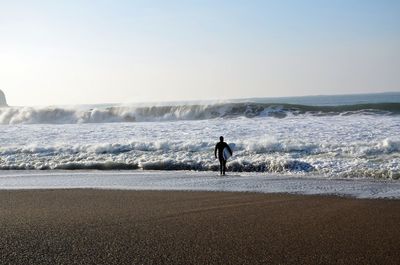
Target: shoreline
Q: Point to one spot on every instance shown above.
(87, 226)
(200, 181)
(327, 195)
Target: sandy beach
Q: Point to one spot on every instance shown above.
(143, 227)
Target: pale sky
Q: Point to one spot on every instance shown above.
(84, 52)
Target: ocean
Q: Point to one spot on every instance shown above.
(347, 136)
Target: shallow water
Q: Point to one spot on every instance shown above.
(198, 181)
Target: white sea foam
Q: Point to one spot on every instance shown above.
(356, 146)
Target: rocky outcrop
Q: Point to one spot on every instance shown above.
(3, 101)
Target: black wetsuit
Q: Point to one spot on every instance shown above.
(222, 162)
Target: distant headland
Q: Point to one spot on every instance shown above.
(3, 101)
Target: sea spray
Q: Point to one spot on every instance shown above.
(69, 115)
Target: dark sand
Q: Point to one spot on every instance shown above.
(132, 227)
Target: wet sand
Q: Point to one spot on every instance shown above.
(149, 227)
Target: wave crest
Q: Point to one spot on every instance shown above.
(57, 115)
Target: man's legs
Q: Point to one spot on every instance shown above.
(224, 162)
(222, 166)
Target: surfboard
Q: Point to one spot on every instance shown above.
(226, 154)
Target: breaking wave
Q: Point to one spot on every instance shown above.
(352, 141)
(58, 115)
(353, 161)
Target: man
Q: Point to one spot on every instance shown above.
(222, 161)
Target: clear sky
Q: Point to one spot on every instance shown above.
(82, 51)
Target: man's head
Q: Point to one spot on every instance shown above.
(221, 138)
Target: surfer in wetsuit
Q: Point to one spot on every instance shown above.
(220, 148)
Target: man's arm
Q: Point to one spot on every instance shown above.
(215, 151)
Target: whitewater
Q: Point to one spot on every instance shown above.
(329, 137)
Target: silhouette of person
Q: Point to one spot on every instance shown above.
(220, 148)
